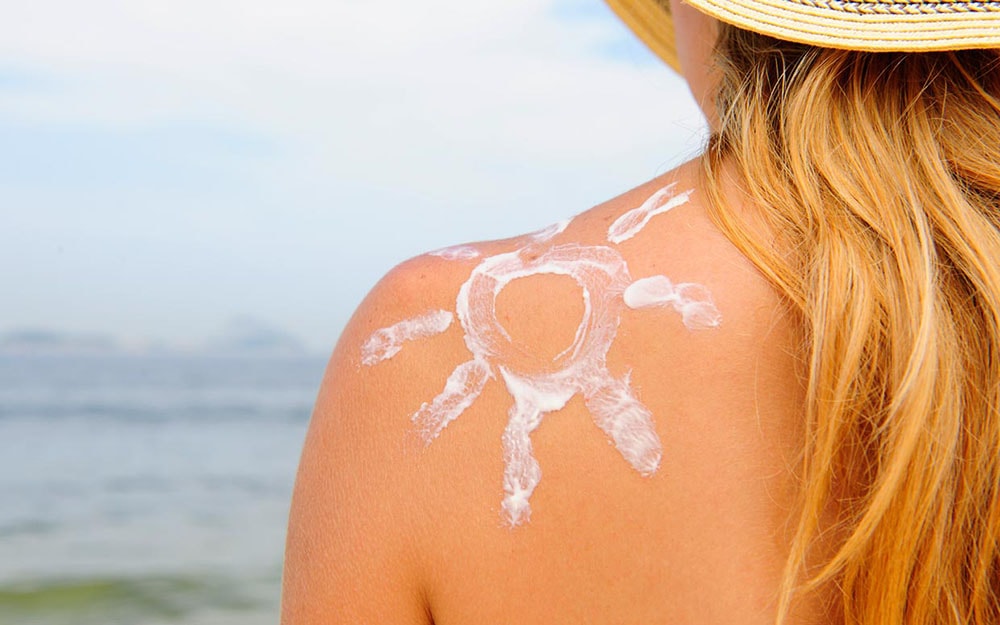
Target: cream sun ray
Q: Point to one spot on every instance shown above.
(550, 232)
(457, 252)
(462, 388)
(386, 342)
(692, 301)
(626, 422)
(630, 223)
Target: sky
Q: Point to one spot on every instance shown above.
(166, 167)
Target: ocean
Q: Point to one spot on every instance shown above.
(147, 490)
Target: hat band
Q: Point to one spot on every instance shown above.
(903, 7)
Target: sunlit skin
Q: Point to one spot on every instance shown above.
(695, 35)
(541, 383)
(386, 529)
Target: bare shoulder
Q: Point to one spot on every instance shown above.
(366, 497)
(590, 423)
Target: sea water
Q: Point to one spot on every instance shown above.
(147, 489)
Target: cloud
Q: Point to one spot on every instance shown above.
(311, 125)
(315, 71)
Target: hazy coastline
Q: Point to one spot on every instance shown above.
(146, 487)
(240, 336)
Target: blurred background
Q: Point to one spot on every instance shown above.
(195, 195)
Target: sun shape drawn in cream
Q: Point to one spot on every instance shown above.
(581, 369)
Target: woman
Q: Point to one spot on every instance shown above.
(792, 345)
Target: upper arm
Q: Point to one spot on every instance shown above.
(356, 523)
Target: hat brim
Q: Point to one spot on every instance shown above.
(871, 25)
(650, 20)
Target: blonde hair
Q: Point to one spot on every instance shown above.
(879, 175)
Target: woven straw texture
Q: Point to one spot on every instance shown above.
(651, 22)
(895, 25)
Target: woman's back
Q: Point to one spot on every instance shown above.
(418, 498)
(818, 442)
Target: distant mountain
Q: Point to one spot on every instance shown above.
(241, 336)
(36, 341)
(245, 335)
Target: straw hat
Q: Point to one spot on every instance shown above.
(876, 25)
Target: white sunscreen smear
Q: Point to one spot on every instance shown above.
(457, 252)
(386, 342)
(692, 301)
(581, 369)
(629, 224)
(464, 385)
(540, 386)
(602, 275)
(550, 232)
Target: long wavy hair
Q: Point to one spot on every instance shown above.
(879, 176)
